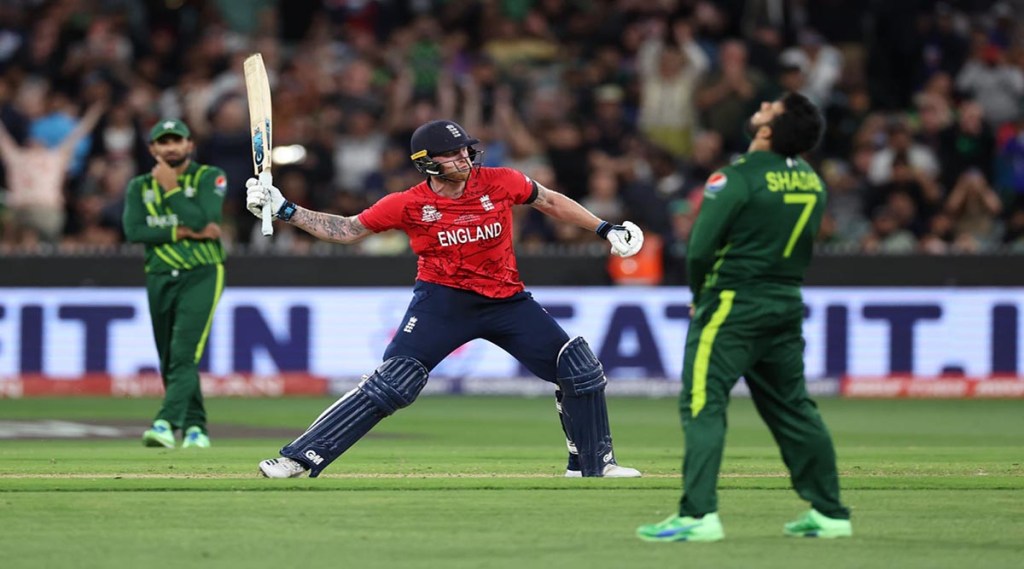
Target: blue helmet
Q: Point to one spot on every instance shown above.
(439, 137)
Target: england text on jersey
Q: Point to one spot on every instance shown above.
(469, 234)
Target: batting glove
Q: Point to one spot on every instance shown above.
(626, 239)
(259, 191)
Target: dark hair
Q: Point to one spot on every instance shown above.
(799, 128)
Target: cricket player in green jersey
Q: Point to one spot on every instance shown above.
(175, 210)
(748, 252)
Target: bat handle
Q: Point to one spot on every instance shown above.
(267, 227)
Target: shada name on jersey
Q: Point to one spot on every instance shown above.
(798, 180)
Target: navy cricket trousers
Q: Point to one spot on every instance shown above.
(440, 319)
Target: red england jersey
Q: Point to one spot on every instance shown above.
(464, 243)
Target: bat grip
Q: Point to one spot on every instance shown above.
(267, 228)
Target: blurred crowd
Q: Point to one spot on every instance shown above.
(625, 105)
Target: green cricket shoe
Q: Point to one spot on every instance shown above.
(683, 528)
(160, 435)
(815, 524)
(195, 438)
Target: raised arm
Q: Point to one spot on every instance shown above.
(324, 226)
(563, 208)
(7, 144)
(84, 127)
(329, 227)
(626, 239)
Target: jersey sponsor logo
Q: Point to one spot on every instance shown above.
(466, 219)
(149, 196)
(162, 220)
(430, 213)
(220, 185)
(190, 192)
(464, 235)
(486, 202)
(715, 183)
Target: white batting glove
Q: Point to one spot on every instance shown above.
(260, 191)
(626, 239)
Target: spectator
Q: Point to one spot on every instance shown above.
(35, 183)
(557, 88)
(901, 141)
(923, 193)
(994, 82)
(887, 236)
(726, 96)
(603, 195)
(974, 207)
(848, 223)
(844, 116)
(821, 64)
(940, 237)
(933, 116)
(669, 72)
(1010, 160)
(968, 144)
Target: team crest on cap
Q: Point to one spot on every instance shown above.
(716, 182)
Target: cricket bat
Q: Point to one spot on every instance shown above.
(257, 88)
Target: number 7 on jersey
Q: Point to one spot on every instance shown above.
(806, 200)
(257, 88)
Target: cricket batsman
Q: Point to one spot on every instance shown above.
(459, 223)
(175, 210)
(748, 253)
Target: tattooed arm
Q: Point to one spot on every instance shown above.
(564, 208)
(329, 227)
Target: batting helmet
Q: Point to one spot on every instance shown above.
(439, 137)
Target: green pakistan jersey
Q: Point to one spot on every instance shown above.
(152, 216)
(756, 225)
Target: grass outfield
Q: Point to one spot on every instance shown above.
(476, 482)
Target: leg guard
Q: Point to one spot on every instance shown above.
(583, 408)
(394, 385)
(574, 455)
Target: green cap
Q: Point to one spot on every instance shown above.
(169, 126)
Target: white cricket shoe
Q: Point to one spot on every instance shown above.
(610, 471)
(283, 467)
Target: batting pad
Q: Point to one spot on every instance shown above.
(394, 385)
(584, 410)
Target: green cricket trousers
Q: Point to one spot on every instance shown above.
(757, 334)
(181, 306)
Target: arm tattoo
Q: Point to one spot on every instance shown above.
(329, 227)
(543, 198)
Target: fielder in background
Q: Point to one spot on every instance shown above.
(459, 223)
(175, 210)
(749, 250)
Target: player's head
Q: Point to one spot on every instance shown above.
(444, 149)
(171, 140)
(790, 125)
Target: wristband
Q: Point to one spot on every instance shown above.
(286, 211)
(604, 229)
